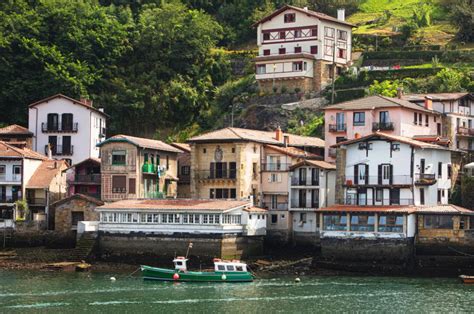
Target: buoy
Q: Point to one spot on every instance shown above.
(112, 279)
(175, 276)
(224, 277)
(297, 279)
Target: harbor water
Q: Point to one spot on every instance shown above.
(55, 292)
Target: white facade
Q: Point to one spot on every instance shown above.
(237, 221)
(75, 139)
(395, 173)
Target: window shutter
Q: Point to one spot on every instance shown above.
(224, 170)
(380, 174)
(366, 174)
(356, 174)
(131, 186)
(211, 170)
(391, 174)
(279, 177)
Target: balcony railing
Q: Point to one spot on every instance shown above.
(341, 127)
(382, 126)
(277, 206)
(60, 150)
(216, 174)
(10, 178)
(379, 180)
(154, 195)
(465, 131)
(296, 203)
(304, 182)
(376, 202)
(425, 178)
(87, 178)
(35, 201)
(59, 127)
(275, 167)
(8, 199)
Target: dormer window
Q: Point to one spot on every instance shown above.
(290, 18)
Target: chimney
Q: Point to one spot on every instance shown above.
(399, 93)
(279, 134)
(86, 101)
(305, 8)
(341, 14)
(286, 140)
(55, 166)
(101, 109)
(428, 103)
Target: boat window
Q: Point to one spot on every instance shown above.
(239, 268)
(220, 267)
(179, 263)
(230, 267)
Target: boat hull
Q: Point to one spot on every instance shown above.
(163, 274)
(467, 279)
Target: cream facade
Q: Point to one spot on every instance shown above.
(298, 48)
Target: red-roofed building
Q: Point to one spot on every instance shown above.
(16, 135)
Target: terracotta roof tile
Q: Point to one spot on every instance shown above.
(368, 209)
(293, 152)
(78, 196)
(182, 146)
(265, 137)
(256, 210)
(177, 205)
(15, 129)
(7, 150)
(435, 96)
(443, 209)
(141, 142)
(314, 163)
(75, 101)
(373, 102)
(45, 173)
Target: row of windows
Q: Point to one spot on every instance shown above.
(297, 66)
(119, 158)
(222, 193)
(16, 169)
(312, 50)
(290, 34)
(167, 218)
(363, 222)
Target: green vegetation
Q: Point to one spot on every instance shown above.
(467, 197)
(23, 211)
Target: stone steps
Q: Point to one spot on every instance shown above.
(84, 247)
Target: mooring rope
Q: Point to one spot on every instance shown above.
(460, 252)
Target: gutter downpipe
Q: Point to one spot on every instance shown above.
(36, 129)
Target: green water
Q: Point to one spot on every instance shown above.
(33, 292)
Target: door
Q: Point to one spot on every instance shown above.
(302, 199)
(53, 142)
(66, 121)
(302, 176)
(438, 128)
(385, 175)
(362, 197)
(383, 119)
(340, 121)
(66, 148)
(395, 197)
(53, 123)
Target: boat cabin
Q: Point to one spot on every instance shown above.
(180, 263)
(227, 266)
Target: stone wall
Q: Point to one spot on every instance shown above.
(63, 215)
(340, 174)
(303, 84)
(306, 239)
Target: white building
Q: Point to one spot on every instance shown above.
(383, 170)
(196, 217)
(71, 127)
(312, 185)
(297, 48)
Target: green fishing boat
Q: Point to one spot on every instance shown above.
(224, 271)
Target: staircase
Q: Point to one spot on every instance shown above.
(7, 234)
(84, 247)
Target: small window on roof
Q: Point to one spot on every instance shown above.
(179, 263)
(230, 267)
(239, 268)
(220, 267)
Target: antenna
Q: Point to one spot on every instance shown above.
(190, 246)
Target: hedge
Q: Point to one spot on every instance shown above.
(444, 56)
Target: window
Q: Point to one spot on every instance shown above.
(66, 120)
(379, 195)
(439, 196)
(297, 33)
(340, 139)
(440, 169)
(449, 171)
(167, 162)
(395, 147)
(220, 267)
(282, 51)
(335, 222)
(427, 120)
(119, 157)
(438, 221)
(53, 122)
(390, 223)
(185, 170)
(329, 32)
(314, 32)
(261, 69)
(314, 50)
(341, 35)
(282, 35)
(298, 66)
(303, 217)
(362, 222)
(266, 36)
(359, 118)
(415, 118)
(76, 217)
(341, 53)
(230, 268)
(119, 184)
(204, 150)
(290, 18)
(233, 150)
(422, 196)
(329, 50)
(132, 185)
(274, 219)
(16, 170)
(266, 52)
(222, 193)
(297, 49)
(2, 172)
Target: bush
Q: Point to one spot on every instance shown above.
(449, 56)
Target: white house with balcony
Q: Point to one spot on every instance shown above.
(301, 49)
(70, 128)
(388, 170)
(311, 185)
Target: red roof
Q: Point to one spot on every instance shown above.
(85, 104)
(15, 129)
(177, 205)
(11, 151)
(318, 15)
(369, 209)
(314, 163)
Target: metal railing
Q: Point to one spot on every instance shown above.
(59, 127)
(376, 202)
(305, 182)
(277, 206)
(9, 199)
(36, 201)
(87, 178)
(465, 131)
(379, 180)
(216, 174)
(297, 203)
(341, 127)
(382, 126)
(60, 150)
(12, 178)
(275, 166)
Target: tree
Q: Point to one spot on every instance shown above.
(467, 186)
(448, 81)
(385, 88)
(461, 14)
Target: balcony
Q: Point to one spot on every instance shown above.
(149, 168)
(383, 126)
(87, 178)
(462, 131)
(378, 180)
(59, 128)
(277, 206)
(275, 167)
(296, 203)
(8, 199)
(425, 179)
(35, 201)
(230, 174)
(154, 195)
(304, 182)
(376, 202)
(60, 150)
(332, 152)
(10, 178)
(341, 127)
